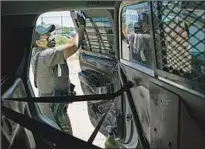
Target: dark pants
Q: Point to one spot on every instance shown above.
(60, 113)
(62, 119)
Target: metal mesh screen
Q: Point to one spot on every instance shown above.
(99, 36)
(179, 30)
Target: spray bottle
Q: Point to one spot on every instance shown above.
(110, 140)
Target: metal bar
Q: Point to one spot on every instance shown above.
(152, 34)
(104, 28)
(97, 128)
(92, 40)
(102, 34)
(98, 34)
(69, 99)
(62, 23)
(95, 28)
(161, 35)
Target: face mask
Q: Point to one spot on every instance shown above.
(42, 43)
(51, 42)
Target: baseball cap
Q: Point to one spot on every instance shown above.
(41, 30)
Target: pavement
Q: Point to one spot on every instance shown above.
(78, 113)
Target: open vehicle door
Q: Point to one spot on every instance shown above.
(99, 72)
(168, 98)
(98, 63)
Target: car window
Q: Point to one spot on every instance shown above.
(136, 43)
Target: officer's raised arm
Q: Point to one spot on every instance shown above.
(57, 55)
(73, 46)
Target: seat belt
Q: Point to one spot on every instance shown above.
(69, 99)
(126, 87)
(97, 128)
(65, 99)
(61, 139)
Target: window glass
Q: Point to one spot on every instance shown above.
(136, 45)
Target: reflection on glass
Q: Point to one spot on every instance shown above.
(136, 34)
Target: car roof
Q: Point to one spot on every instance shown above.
(39, 7)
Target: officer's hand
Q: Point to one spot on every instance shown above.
(80, 18)
(79, 37)
(74, 45)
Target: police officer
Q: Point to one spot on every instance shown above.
(51, 75)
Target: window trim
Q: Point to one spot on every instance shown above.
(138, 66)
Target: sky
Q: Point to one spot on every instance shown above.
(55, 18)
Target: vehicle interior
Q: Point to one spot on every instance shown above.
(142, 72)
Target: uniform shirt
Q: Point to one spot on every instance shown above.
(52, 70)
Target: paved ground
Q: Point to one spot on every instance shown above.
(82, 127)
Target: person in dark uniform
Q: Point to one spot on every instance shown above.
(51, 75)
